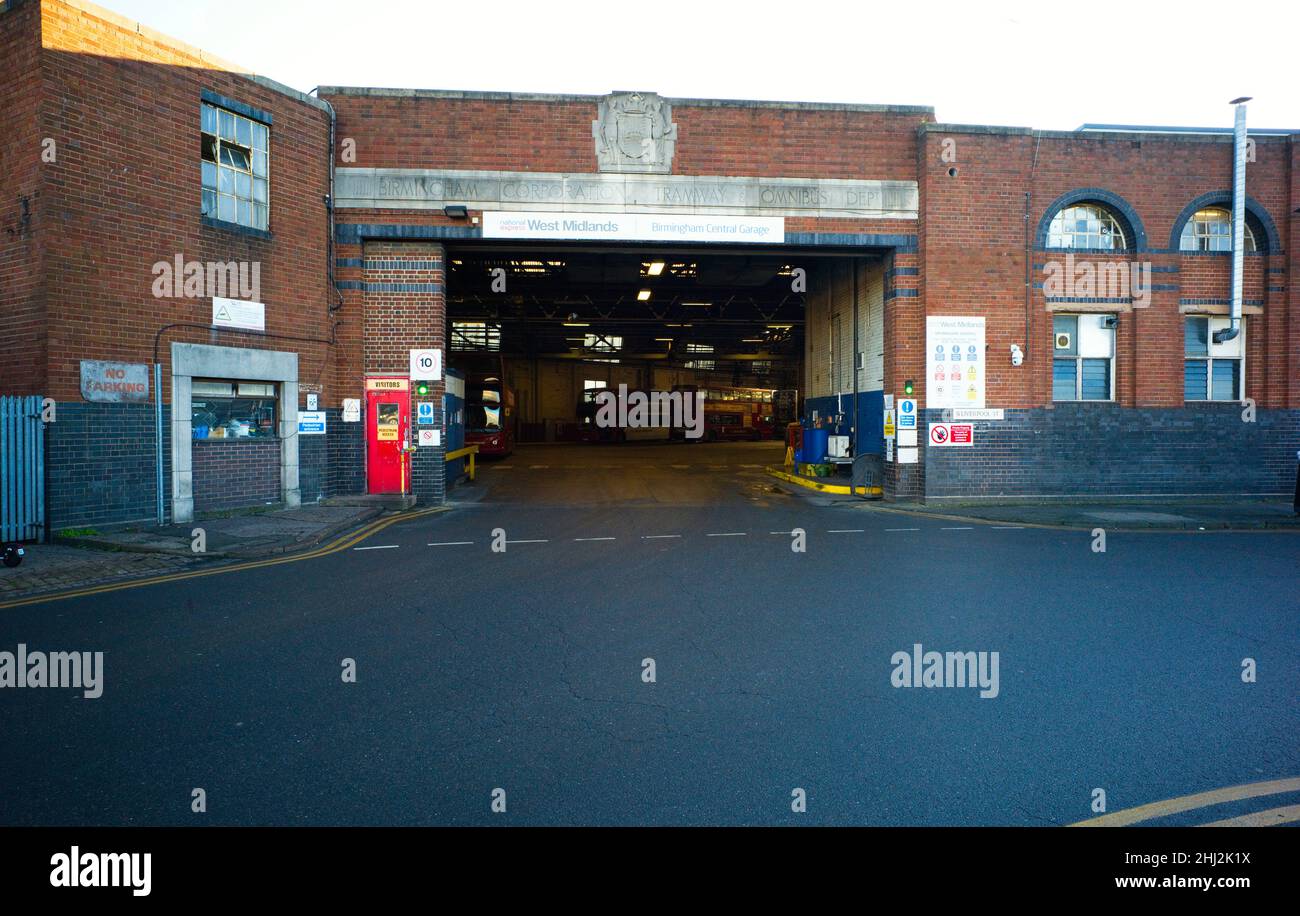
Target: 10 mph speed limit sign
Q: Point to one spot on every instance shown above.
(426, 365)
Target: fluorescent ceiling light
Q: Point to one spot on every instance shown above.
(643, 296)
(655, 268)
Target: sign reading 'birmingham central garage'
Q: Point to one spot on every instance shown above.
(433, 189)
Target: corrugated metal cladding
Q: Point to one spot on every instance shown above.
(22, 469)
(828, 329)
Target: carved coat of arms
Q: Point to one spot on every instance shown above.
(634, 133)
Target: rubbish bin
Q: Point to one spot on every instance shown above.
(816, 443)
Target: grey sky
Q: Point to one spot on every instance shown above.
(1015, 62)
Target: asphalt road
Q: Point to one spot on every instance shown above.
(522, 669)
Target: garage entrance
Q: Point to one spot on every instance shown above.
(545, 332)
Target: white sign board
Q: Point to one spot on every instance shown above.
(889, 450)
(426, 365)
(907, 438)
(351, 410)
(107, 381)
(430, 437)
(969, 413)
(644, 227)
(313, 402)
(908, 455)
(237, 313)
(311, 422)
(954, 361)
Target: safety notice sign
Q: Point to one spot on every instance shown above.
(946, 434)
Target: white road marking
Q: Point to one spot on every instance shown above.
(593, 539)
(847, 530)
(1008, 527)
(652, 537)
(751, 465)
(379, 547)
(448, 543)
(728, 534)
(541, 541)
(680, 467)
(902, 529)
(956, 529)
(539, 467)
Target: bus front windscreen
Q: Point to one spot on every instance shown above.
(483, 410)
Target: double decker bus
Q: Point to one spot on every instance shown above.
(489, 415)
(735, 413)
(590, 431)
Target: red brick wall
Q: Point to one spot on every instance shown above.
(973, 255)
(22, 329)
(124, 108)
(555, 136)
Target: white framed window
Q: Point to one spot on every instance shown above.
(233, 409)
(235, 167)
(1083, 364)
(1211, 230)
(1086, 226)
(1212, 371)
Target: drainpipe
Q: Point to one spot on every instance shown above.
(1238, 217)
(329, 208)
(158, 437)
(854, 424)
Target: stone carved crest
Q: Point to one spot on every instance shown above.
(635, 133)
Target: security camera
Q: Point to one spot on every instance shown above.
(1017, 355)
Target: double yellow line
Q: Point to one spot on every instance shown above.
(1284, 815)
(341, 543)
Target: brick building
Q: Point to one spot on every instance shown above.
(811, 246)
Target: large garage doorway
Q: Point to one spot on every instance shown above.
(547, 333)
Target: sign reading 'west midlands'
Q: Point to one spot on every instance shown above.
(643, 227)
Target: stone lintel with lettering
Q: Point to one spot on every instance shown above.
(432, 189)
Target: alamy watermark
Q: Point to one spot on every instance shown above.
(946, 669)
(647, 409)
(103, 869)
(182, 279)
(1098, 280)
(82, 671)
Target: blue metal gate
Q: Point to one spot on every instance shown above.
(22, 469)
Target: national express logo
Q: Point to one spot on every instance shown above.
(514, 225)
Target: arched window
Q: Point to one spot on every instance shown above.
(1086, 225)
(1211, 230)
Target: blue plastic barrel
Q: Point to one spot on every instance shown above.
(816, 443)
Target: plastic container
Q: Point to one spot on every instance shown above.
(815, 445)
